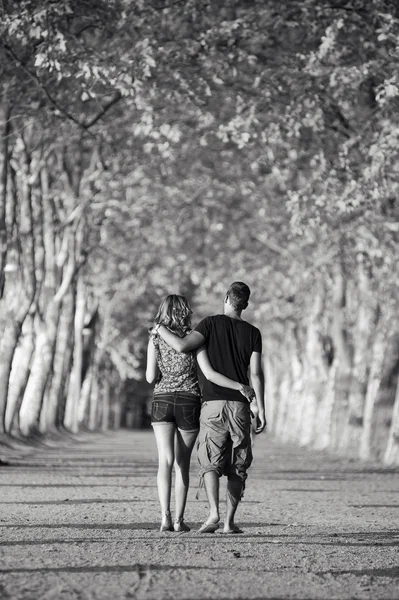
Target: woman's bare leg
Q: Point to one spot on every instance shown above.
(184, 445)
(165, 437)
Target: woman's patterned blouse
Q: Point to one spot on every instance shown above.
(178, 370)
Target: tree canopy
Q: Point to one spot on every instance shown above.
(199, 142)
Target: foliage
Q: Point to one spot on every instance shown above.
(204, 142)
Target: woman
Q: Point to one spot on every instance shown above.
(176, 405)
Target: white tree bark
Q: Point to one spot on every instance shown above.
(75, 383)
(373, 385)
(391, 456)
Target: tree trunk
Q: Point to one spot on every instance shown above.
(90, 336)
(373, 385)
(105, 402)
(8, 346)
(19, 376)
(391, 456)
(94, 408)
(367, 318)
(117, 407)
(385, 401)
(37, 213)
(20, 290)
(63, 350)
(75, 382)
(296, 398)
(342, 384)
(338, 361)
(271, 393)
(68, 360)
(315, 373)
(51, 281)
(5, 113)
(94, 405)
(84, 403)
(324, 417)
(41, 367)
(284, 390)
(22, 295)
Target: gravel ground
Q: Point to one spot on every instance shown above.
(81, 522)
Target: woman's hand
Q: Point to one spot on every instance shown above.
(247, 391)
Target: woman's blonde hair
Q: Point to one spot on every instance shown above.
(175, 313)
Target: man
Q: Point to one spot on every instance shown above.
(224, 441)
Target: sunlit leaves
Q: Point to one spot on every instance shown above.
(247, 142)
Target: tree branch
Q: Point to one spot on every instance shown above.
(165, 6)
(273, 246)
(37, 81)
(90, 122)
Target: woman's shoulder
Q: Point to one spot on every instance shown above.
(154, 338)
(177, 332)
(160, 343)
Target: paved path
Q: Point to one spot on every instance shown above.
(81, 522)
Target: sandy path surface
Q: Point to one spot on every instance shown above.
(81, 522)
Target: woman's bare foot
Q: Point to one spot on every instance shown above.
(180, 526)
(166, 523)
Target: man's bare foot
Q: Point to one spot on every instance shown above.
(210, 526)
(231, 528)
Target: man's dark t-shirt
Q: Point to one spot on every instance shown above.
(230, 343)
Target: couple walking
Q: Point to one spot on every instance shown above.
(225, 347)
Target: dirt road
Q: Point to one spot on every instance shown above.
(81, 522)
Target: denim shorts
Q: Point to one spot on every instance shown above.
(181, 408)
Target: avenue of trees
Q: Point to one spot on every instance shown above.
(157, 146)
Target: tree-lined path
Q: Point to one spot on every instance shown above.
(81, 522)
(155, 147)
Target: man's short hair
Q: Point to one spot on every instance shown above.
(238, 294)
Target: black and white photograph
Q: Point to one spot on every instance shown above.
(199, 299)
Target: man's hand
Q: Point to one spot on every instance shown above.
(247, 391)
(260, 422)
(259, 417)
(254, 409)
